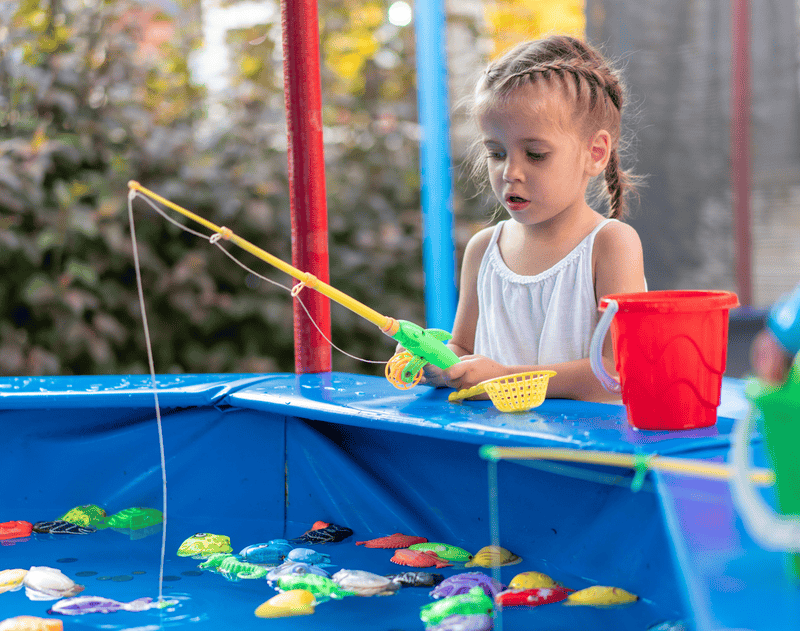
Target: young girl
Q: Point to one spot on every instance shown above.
(548, 114)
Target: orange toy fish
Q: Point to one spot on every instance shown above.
(397, 540)
(413, 558)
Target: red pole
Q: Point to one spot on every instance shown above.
(740, 145)
(302, 92)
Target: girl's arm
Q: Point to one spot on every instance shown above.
(618, 268)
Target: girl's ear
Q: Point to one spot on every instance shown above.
(599, 152)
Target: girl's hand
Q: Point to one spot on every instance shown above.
(769, 359)
(471, 370)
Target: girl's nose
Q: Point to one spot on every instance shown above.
(512, 171)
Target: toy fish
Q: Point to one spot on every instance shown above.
(670, 625)
(601, 596)
(96, 604)
(31, 623)
(416, 579)
(532, 597)
(271, 553)
(61, 527)
(134, 518)
(461, 622)
(322, 587)
(462, 583)
(413, 558)
(329, 534)
(47, 583)
(306, 555)
(293, 567)
(295, 602)
(15, 529)
(532, 580)
(493, 556)
(203, 545)
(364, 583)
(444, 551)
(473, 602)
(11, 580)
(396, 541)
(86, 515)
(232, 567)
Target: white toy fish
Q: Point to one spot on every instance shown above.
(48, 583)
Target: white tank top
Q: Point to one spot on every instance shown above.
(533, 320)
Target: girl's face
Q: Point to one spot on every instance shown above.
(537, 163)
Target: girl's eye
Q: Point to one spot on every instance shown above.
(536, 157)
(494, 155)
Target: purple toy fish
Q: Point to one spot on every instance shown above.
(462, 583)
(80, 605)
(461, 622)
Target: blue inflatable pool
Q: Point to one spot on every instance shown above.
(260, 457)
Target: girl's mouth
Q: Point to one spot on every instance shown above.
(515, 202)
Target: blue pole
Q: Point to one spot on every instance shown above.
(438, 251)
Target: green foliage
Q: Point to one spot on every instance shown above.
(90, 98)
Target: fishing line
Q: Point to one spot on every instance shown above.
(151, 364)
(215, 239)
(494, 531)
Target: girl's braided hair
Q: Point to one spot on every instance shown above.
(585, 74)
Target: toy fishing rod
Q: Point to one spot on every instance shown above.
(404, 370)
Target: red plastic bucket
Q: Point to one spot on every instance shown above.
(670, 349)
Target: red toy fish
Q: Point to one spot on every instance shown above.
(15, 529)
(413, 558)
(397, 540)
(532, 597)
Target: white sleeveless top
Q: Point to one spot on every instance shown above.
(533, 320)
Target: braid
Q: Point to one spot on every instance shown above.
(616, 183)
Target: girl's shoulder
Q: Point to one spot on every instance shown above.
(479, 242)
(615, 238)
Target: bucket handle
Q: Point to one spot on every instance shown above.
(769, 529)
(596, 348)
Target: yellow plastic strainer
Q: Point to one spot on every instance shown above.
(511, 393)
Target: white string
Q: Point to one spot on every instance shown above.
(151, 364)
(215, 239)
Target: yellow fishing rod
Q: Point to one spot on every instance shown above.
(423, 345)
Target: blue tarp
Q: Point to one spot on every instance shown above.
(258, 457)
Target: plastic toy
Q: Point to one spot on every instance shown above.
(444, 551)
(532, 597)
(232, 567)
(416, 579)
(473, 602)
(296, 568)
(61, 527)
(133, 519)
(423, 345)
(493, 556)
(271, 553)
(413, 558)
(306, 555)
(15, 529)
(203, 545)
(602, 596)
(462, 583)
(86, 515)
(460, 622)
(329, 534)
(47, 583)
(320, 586)
(31, 623)
(396, 541)
(96, 604)
(11, 580)
(511, 393)
(364, 583)
(532, 580)
(295, 602)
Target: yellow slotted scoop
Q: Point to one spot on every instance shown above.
(511, 393)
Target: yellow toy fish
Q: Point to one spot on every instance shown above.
(295, 602)
(493, 556)
(601, 595)
(532, 580)
(203, 545)
(11, 580)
